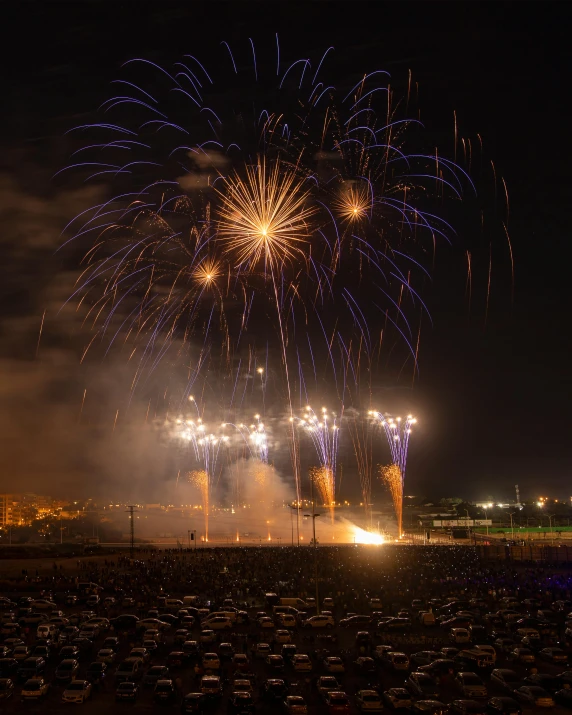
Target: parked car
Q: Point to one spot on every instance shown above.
(535, 696)
(422, 685)
(126, 692)
(368, 701)
(35, 689)
(78, 691)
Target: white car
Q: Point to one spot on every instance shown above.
(295, 705)
(78, 691)
(321, 621)
(34, 689)
(459, 635)
(470, 685)
(262, 650)
(333, 664)
(211, 661)
(287, 620)
(265, 622)
(282, 636)
(302, 663)
(368, 701)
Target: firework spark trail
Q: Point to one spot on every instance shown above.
(393, 478)
(397, 432)
(206, 447)
(255, 438)
(362, 439)
(330, 170)
(324, 432)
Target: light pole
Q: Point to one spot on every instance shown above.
(314, 516)
(488, 506)
(297, 508)
(511, 524)
(550, 517)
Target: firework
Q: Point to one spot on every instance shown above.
(393, 478)
(323, 479)
(324, 431)
(264, 215)
(362, 439)
(249, 199)
(397, 432)
(205, 446)
(300, 193)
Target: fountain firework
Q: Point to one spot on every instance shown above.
(397, 432)
(324, 432)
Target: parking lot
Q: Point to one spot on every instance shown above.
(390, 591)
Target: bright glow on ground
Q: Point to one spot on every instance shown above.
(366, 537)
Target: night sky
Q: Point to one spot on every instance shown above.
(493, 392)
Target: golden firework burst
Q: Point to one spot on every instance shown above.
(353, 203)
(391, 475)
(265, 214)
(207, 273)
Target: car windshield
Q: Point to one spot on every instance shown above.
(338, 700)
(471, 679)
(75, 686)
(164, 688)
(370, 698)
(32, 685)
(126, 686)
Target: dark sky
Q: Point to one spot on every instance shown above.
(492, 396)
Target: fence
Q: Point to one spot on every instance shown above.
(547, 554)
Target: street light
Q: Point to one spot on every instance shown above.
(488, 506)
(314, 516)
(550, 517)
(297, 508)
(511, 524)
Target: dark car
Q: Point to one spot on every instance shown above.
(126, 691)
(355, 621)
(429, 707)
(111, 642)
(274, 689)
(456, 622)
(155, 673)
(552, 683)
(125, 622)
(6, 688)
(467, 707)
(564, 697)
(503, 706)
(193, 703)
(164, 692)
(84, 644)
(66, 670)
(440, 667)
(176, 658)
(241, 702)
(32, 667)
(8, 667)
(95, 673)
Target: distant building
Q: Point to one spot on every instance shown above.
(22, 509)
